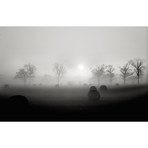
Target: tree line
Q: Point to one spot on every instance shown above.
(133, 67)
(27, 73)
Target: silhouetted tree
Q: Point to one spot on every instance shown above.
(98, 72)
(30, 69)
(26, 73)
(22, 75)
(110, 72)
(138, 68)
(125, 72)
(60, 71)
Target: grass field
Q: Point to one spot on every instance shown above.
(72, 104)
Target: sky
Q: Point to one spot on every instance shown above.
(74, 47)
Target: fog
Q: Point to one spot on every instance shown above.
(73, 73)
(77, 48)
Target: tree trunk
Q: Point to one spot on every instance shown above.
(138, 79)
(98, 81)
(58, 81)
(29, 81)
(124, 81)
(111, 81)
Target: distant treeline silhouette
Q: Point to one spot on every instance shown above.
(133, 68)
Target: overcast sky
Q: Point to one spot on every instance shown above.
(72, 46)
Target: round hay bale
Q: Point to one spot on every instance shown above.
(93, 94)
(117, 84)
(57, 86)
(85, 85)
(6, 86)
(18, 102)
(103, 88)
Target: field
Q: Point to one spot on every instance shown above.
(72, 104)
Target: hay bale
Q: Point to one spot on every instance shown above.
(93, 94)
(18, 103)
(103, 88)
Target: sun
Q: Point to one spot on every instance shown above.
(81, 67)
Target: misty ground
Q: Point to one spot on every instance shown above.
(118, 103)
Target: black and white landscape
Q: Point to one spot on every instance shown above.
(73, 73)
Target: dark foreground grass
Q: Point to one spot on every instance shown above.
(72, 104)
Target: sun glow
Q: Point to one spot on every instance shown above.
(81, 67)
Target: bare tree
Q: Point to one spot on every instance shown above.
(22, 75)
(125, 72)
(138, 67)
(60, 71)
(30, 69)
(110, 72)
(98, 72)
(26, 73)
